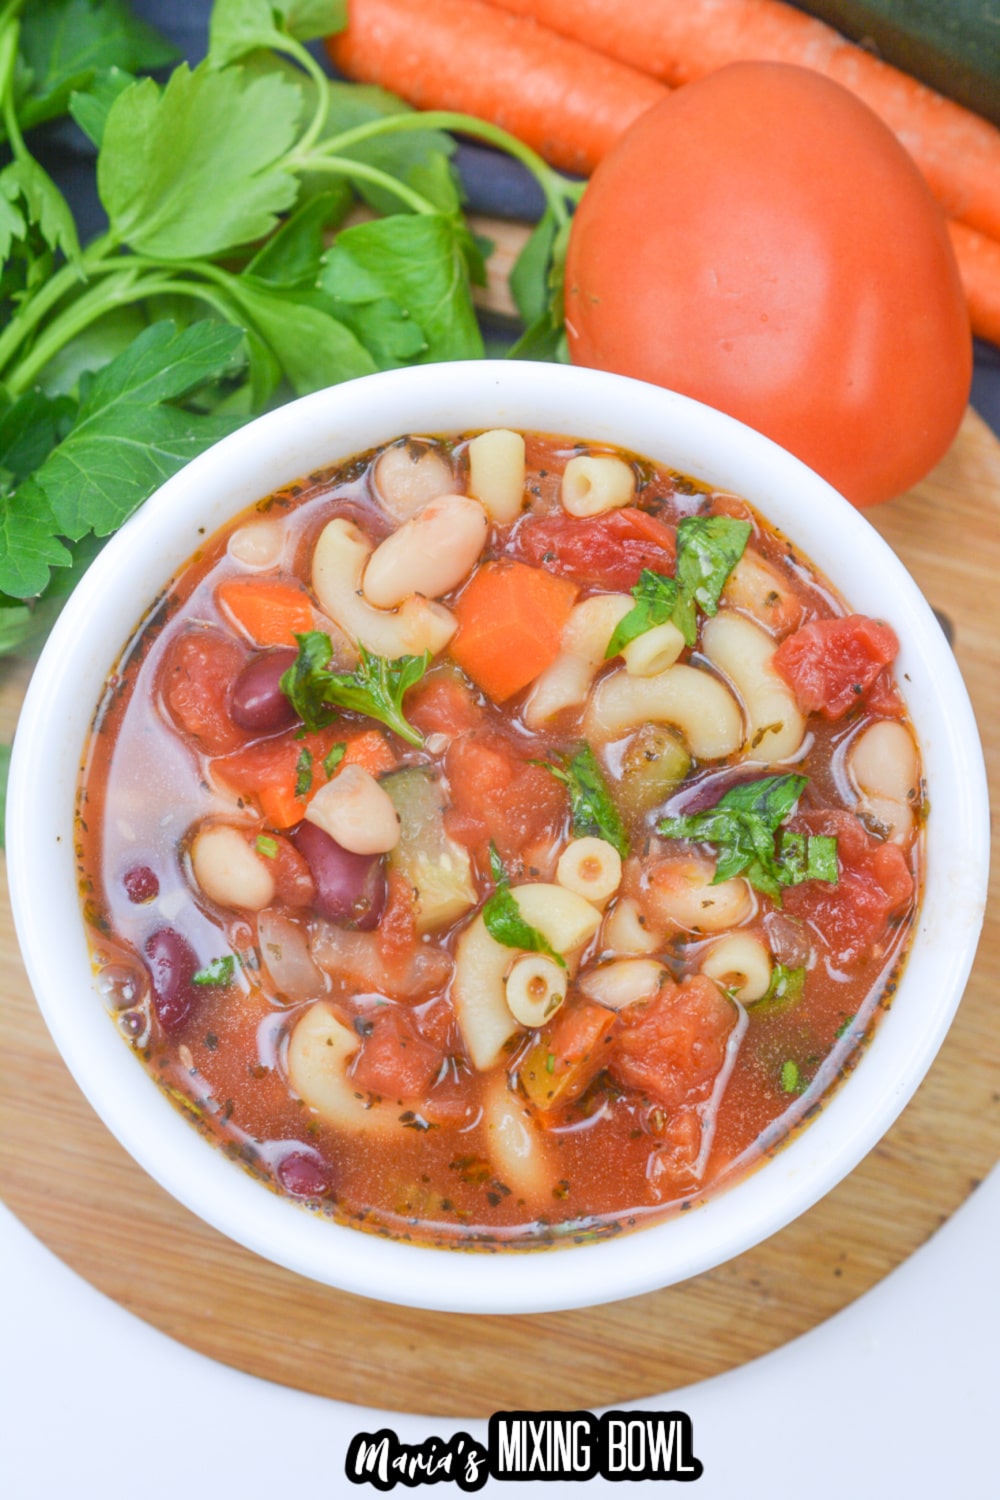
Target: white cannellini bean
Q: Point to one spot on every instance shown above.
(744, 653)
(591, 867)
(338, 565)
(884, 768)
(596, 482)
(680, 891)
(653, 651)
(584, 640)
(228, 871)
(739, 962)
(496, 472)
(356, 812)
(624, 981)
(409, 475)
(626, 930)
(691, 699)
(535, 988)
(258, 544)
(429, 555)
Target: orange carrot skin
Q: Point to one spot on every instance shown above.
(678, 41)
(510, 619)
(979, 267)
(268, 769)
(565, 100)
(270, 612)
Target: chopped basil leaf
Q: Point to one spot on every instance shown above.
(504, 921)
(591, 808)
(376, 687)
(303, 773)
(708, 549)
(333, 758)
(655, 597)
(744, 824)
(267, 846)
(790, 1077)
(219, 971)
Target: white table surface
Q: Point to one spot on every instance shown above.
(895, 1398)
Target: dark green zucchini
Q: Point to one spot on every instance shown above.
(952, 45)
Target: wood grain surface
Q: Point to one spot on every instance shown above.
(70, 1182)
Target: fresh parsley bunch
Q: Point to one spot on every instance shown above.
(227, 278)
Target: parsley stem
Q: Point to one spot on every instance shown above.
(118, 290)
(308, 63)
(48, 296)
(344, 166)
(557, 189)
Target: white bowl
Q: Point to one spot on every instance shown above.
(319, 431)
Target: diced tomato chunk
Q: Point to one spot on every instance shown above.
(395, 1061)
(397, 928)
(831, 665)
(500, 797)
(268, 770)
(852, 918)
(443, 704)
(198, 670)
(608, 551)
(672, 1047)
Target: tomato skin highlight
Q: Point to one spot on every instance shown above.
(760, 241)
(831, 665)
(609, 551)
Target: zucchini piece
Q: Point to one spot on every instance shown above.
(653, 767)
(951, 45)
(438, 869)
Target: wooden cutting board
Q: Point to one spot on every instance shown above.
(71, 1183)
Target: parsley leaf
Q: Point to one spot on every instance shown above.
(790, 1077)
(784, 991)
(591, 808)
(241, 26)
(418, 157)
(376, 687)
(91, 106)
(314, 349)
(25, 184)
(195, 168)
(504, 921)
(219, 971)
(401, 285)
(333, 758)
(66, 44)
(126, 440)
(708, 548)
(655, 599)
(744, 826)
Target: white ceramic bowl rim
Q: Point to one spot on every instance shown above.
(318, 431)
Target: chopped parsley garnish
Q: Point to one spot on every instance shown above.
(591, 808)
(219, 971)
(708, 549)
(655, 597)
(790, 1077)
(333, 758)
(376, 687)
(745, 827)
(303, 773)
(504, 921)
(267, 846)
(784, 991)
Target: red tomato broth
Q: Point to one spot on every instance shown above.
(614, 1155)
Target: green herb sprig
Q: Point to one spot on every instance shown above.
(592, 811)
(745, 827)
(504, 921)
(376, 687)
(708, 549)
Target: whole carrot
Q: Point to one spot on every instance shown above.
(979, 267)
(565, 100)
(677, 41)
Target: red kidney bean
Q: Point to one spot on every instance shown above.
(304, 1175)
(350, 888)
(141, 884)
(172, 966)
(256, 701)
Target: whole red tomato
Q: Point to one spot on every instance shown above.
(762, 242)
